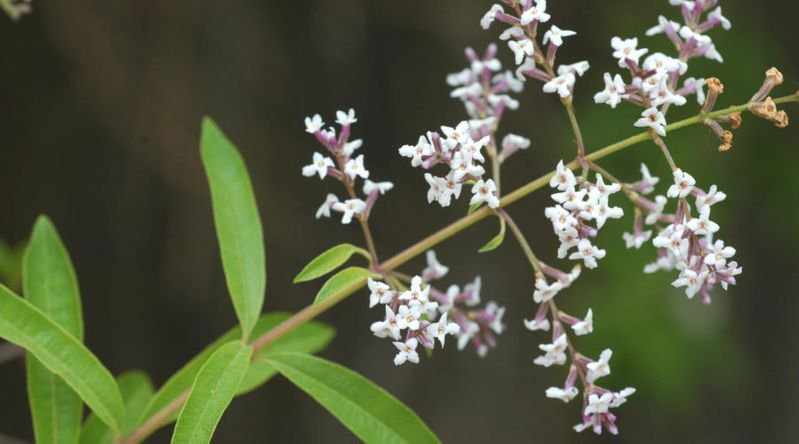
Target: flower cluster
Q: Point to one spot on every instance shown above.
(654, 81)
(345, 168)
(686, 242)
(532, 60)
(573, 211)
(421, 314)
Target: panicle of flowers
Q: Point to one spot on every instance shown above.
(421, 314)
(655, 81)
(686, 241)
(344, 166)
(16, 8)
(533, 59)
(580, 211)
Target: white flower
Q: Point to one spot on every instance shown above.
(561, 84)
(672, 239)
(662, 94)
(380, 187)
(492, 309)
(653, 216)
(662, 25)
(588, 253)
(571, 199)
(562, 220)
(319, 166)
(703, 224)
(699, 86)
(514, 32)
(324, 209)
(564, 395)
(441, 329)
(350, 147)
(490, 16)
(613, 92)
(691, 280)
(434, 270)
(521, 49)
(555, 35)
(544, 291)
(437, 185)
(457, 135)
(417, 152)
(586, 325)
(408, 316)
(355, 168)
(716, 15)
(600, 368)
(388, 327)
(314, 124)
(648, 181)
(467, 333)
(568, 238)
(578, 68)
(626, 49)
(513, 142)
(713, 196)
(350, 208)
(683, 184)
(485, 191)
(416, 296)
(471, 149)
(620, 398)
(598, 404)
(563, 178)
(536, 324)
(654, 119)
(554, 352)
(380, 293)
(718, 254)
(407, 352)
(637, 239)
(346, 119)
(663, 64)
(537, 11)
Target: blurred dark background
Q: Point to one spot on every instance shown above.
(101, 104)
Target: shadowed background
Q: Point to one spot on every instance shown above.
(101, 105)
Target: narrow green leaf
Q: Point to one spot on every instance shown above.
(367, 410)
(351, 277)
(238, 226)
(329, 261)
(214, 388)
(50, 284)
(59, 351)
(137, 390)
(496, 240)
(308, 338)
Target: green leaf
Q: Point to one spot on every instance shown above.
(50, 284)
(137, 390)
(496, 240)
(308, 338)
(214, 388)
(59, 351)
(238, 226)
(367, 410)
(351, 277)
(329, 261)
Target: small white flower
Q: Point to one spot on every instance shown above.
(561, 84)
(456, 136)
(380, 293)
(544, 291)
(703, 224)
(346, 119)
(418, 152)
(437, 185)
(564, 395)
(578, 68)
(350, 208)
(691, 280)
(652, 118)
(513, 142)
(662, 26)
(324, 209)
(672, 238)
(521, 49)
(614, 91)
(600, 368)
(663, 64)
(355, 168)
(536, 324)
(716, 15)
(388, 327)
(490, 16)
(588, 253)
(562, 220)
(563, 178)
(554, 352)
(585, 326)
(514, 32)
(380, 187)
(416, 296)
(350, 147)
(441, 329)
(637, 239)
(555, 35)
(408, 316)
(620, 398)
(485, 191)
(713, 196)
(718, 254)
(683, 184)
(537, 11)
(571, 199)
(318, 165)
(598, 404)
(568, 238)
(434, 270)
(314, 124)
(626, 49)
(407, 352)
(648, 181)
(653, 216)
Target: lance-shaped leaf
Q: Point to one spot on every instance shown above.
(307, 338)
(496, 241)
(238, 226)
(59, 351)
(50, 284)
(215, 386)
(352, 277)
(329, 261)
(137, 390)
(370, 412)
